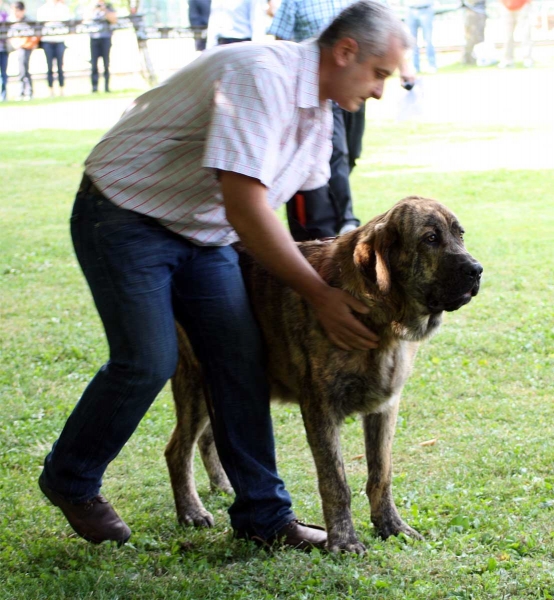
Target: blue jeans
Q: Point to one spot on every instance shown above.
(4, 70)
(100, 49)
(423, 17)
(142, 277)
(54, 51)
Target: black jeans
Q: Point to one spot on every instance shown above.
(54, 52)
(321, 213)
(100, 48)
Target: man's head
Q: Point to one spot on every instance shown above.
(361, 48)
(18, 10)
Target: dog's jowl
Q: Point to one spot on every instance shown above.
(408, 266)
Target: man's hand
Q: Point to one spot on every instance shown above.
(334, 312)
(260, 230)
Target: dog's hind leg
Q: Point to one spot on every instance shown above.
(379, 433)
(192, 419)
(212, 464)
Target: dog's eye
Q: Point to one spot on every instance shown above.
(432, 239)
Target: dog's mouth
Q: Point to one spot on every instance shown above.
(450, 304)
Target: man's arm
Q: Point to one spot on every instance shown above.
(267, 239)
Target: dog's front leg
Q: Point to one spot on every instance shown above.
(323, 430)
(379, 432)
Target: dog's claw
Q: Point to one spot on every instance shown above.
(197, 519)
(354, 547)
(395, 527)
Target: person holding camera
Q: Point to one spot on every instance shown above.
(101, 42)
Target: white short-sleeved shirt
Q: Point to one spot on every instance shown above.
(248, 108)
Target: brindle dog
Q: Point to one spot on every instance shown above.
(408, 266)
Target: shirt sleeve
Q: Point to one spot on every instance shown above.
(283, 22)
(248, 121)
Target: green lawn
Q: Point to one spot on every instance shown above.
(482, 495)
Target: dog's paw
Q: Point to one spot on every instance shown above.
(196, 517)
(341, 545)
(395, 526)
(221, 485)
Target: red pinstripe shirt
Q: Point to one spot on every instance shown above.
(249, 108)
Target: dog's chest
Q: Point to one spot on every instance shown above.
(376, 382)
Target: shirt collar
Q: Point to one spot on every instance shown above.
(308, 85)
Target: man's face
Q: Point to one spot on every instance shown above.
(358, 81)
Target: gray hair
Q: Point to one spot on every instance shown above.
(371, 24)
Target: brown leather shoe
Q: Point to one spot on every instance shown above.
(295, 535)
(96, 520)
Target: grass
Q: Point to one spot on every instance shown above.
(482, 495)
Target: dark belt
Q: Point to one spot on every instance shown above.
(87, 186)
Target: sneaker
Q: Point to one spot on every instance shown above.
(528, 63)
(505, 64)
(347, 228)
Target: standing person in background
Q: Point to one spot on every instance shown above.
(199, 14)
(326, 211)
(54, 11)
(421, 14)
(101, 42)
(517, 12)
(236, 21)
(475, 20)
(4, 56)
(25, 47)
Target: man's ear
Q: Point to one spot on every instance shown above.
(371, 255)
(345, 51)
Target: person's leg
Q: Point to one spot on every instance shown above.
(212, 304)
(4, 74)
(312, 215)
(509, 20)
(355, 128)
(94, 56)
(413, 26)
(127, 260)
(49, 50)
(106, 47)
(21, 59)
(524, 19)
(339, 182)
(60, 50)
(427, 15)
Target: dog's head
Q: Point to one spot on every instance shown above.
(417, 249)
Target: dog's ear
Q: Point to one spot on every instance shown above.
(371, 255)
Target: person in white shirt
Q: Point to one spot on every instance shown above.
(54, 11)
(236, 21)
(195, 164)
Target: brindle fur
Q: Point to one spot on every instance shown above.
(406, 278)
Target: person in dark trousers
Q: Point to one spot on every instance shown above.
(199, 15)
(25, 47)
(101, 42)
(54, 11)
(198, 163)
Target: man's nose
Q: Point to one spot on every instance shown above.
(377, 91)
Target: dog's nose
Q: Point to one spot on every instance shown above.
(473, 270)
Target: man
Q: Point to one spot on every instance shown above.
(101, 42)
(327, 211)
(194, 165)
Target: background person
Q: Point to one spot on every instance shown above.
(200, 161)
(54, 11)
(236, 21)
(101, 42)
(517, 13)
(4, 54)
(421, 14)
(199, 14)
(25, 47)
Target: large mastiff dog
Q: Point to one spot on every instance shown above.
(408, 266)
